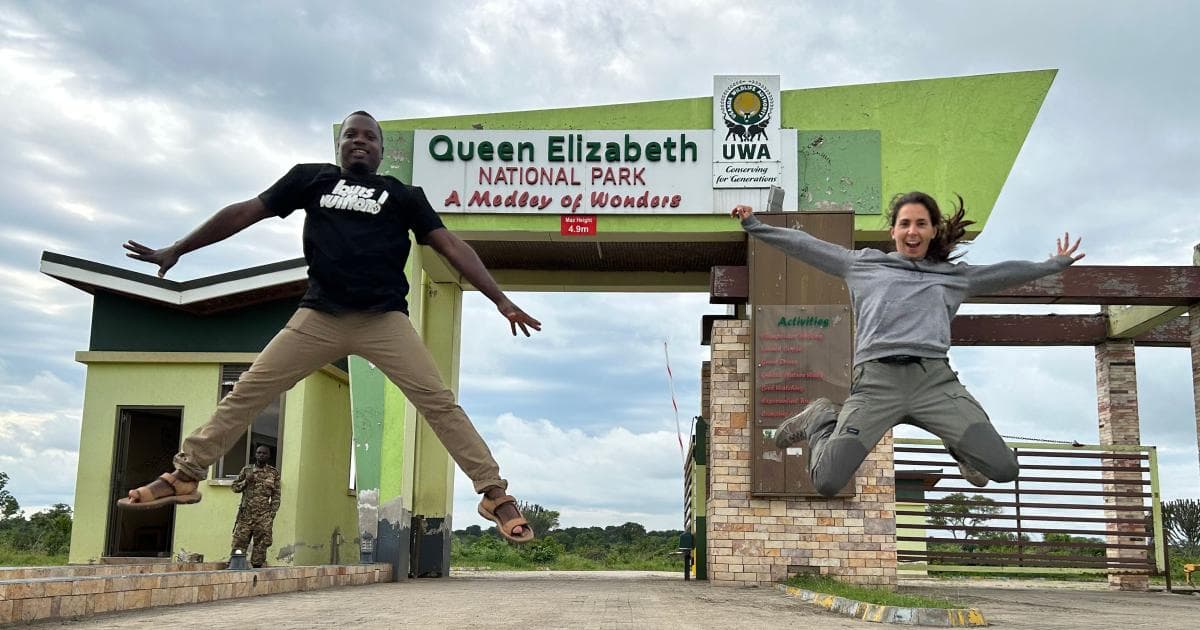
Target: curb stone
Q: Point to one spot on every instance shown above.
(943, 617)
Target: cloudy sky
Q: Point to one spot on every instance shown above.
(139, 119)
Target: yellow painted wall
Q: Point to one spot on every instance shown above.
(907, 545)
(315, 458)
(195, 388)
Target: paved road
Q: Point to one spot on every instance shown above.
(535, 600)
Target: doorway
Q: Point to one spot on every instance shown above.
(147, 439)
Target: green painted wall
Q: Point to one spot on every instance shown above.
(944, 135)
(125, 324)
(110, 385)
(433, 487)
(318, 459)
(906, 545)
(397, 470)
(367, 395)
(839, 171)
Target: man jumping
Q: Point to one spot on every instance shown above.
(356, 245)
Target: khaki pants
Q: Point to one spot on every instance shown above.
(312, 339)
(925, 394)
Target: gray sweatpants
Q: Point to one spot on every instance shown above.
(925, 394)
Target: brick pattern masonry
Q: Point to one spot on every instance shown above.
(759, 541)
(63, 592)
(1194, 341)
(1117, 404)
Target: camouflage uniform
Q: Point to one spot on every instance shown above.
(256, 516)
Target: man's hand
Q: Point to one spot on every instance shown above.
(517, 317)
(741, 212)
(165, 258)
(1065, 248)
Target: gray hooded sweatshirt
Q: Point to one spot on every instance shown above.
(901, 306)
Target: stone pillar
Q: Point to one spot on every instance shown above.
(705, 390)
(758, 541)
(1194, 342)
(729, 464)
(1116, 398)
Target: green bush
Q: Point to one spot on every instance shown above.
(624, 547)
(1181, 519)
(45, 533)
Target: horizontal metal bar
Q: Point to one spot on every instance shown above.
(952, 464)
(1106, 284)
(1091, 480)
(1031, 561)
(1058, 330)
(1026, 543)
(1031, 491)
(1019, 557)
(1034, 446)
(1049, 506)
(957, 568)
(1027, 517)
(1074, 455)
(1038, 530)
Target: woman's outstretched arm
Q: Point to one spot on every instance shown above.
(989, 278)
(828, 257)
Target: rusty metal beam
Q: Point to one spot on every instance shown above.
(1104, 284)
(1055, 330)
(1093, 284)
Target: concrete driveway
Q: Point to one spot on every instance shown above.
(628, 599)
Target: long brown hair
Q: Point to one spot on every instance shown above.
(949, 230)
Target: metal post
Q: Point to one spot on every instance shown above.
(1160, 551)
(1017, 500)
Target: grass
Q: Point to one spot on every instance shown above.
(1178, 559)
(14, 558)
(1066, 577)
(868, 594)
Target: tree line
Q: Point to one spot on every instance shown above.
(46, 532)
(627, 546)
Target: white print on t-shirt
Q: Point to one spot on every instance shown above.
(359, 198)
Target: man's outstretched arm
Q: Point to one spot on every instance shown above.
(462, 257)
(225, 223)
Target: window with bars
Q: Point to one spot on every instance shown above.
(267, 429)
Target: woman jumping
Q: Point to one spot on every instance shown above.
(903, 302)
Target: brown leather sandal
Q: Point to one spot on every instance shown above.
(487, 509)
(186, 493)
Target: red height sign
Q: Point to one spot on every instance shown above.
(578, 225)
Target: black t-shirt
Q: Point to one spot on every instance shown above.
(355, 234)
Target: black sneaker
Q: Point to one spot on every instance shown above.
(973, 477)
(798, 427)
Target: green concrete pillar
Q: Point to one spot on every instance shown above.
(433, 485)
(367, 415)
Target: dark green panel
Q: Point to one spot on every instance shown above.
(129, 325)
(839, 171)
(909, 489)
(701, 548)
